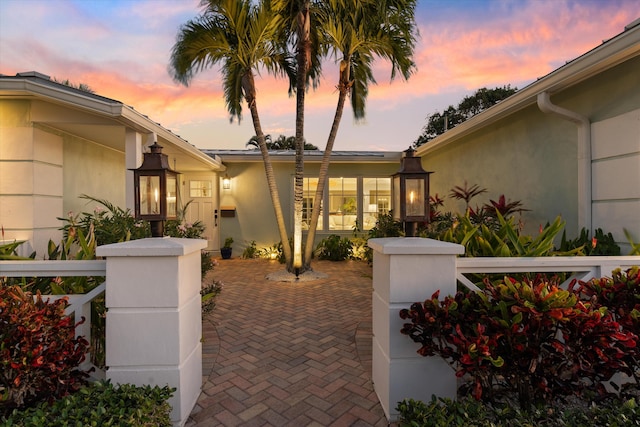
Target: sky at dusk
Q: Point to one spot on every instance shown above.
(121, 49)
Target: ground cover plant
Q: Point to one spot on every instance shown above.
(100, 404)
(530, 344)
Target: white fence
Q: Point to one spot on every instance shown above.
(79, 304)
(581, 267)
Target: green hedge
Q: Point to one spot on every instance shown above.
(100, 404)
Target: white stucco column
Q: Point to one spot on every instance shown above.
(133, 160)
(408, 270)
(154, 324)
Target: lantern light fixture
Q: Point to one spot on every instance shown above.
(226, 182)
(410, 201)
(156, 190)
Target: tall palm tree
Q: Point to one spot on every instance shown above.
(253, 142)
(243, 37)
(355, 32)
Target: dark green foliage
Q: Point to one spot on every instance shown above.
(101, 404)
(505, 339)
(334, 248)
(209, 294)
(206, 263)
(39, 353)
(465, 412)
(250, 251)
(112, 225)
(600, 244)
(438, 123)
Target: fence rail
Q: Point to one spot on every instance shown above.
(79, 304)
(582, 267)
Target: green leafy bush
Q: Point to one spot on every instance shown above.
(39, 353)
(465, 412)
(100, 404)
(600, 244)
(251, 251)
(528, 339)
(334, 248)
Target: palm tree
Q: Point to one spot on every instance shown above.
(243, 37)
(281, 143)
(355, 32)
(253, 142)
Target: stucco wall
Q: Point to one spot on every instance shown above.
(94, 170)
(249, 193)
(525, 158)
(532, 157)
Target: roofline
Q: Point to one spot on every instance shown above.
(255, 156)
(610, 53)
(24, 85)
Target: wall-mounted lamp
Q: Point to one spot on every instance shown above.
(411, 193)
(226, 182)
(156, 190)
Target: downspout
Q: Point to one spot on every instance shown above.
(584, 157)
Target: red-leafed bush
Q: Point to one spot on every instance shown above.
(39, 353)
(526, 339)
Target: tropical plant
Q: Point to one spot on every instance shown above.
(39, 352)
(528, 338)
(251, 251)
(599, 244)
(244, 37)
(335, 248)
(281, 143)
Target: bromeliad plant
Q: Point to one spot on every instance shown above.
(528, 339)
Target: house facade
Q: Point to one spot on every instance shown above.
(58, 143)
(358, 190)
(567, 144)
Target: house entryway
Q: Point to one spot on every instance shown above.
(203, 192)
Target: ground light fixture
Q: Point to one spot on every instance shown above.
(410, 193)
(156, 190)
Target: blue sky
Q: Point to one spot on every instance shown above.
(121, 49)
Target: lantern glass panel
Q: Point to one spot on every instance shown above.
(149, 195)
(396, 198)
(172, 196)
(415, 197)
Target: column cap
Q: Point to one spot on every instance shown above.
(414, 246)
(154, 246)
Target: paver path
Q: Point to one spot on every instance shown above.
(289, 354)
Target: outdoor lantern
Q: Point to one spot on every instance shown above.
(156, 190)
(226, 182)
(411, 193)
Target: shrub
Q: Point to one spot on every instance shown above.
(250, 251)
(526, 338)
(209, 294)
(101, 404)
(39, 351)
(601, 244)
(467, 412)
(334, 248)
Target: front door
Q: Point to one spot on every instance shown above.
(202, 191)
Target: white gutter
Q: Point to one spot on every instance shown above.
(584, 156)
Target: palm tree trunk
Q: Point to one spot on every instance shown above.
(304, 47)
(322, 177)
(248, 84)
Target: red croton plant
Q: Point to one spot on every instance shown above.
(530, 339)
(39, 353)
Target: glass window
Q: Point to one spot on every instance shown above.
(309, 194)
(343, 203)
(376, 199)
(200, 189)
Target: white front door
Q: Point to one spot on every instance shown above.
(202, 191)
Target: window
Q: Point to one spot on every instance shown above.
(349, 200)
(343, 203)
(376, 198)
(200, 189)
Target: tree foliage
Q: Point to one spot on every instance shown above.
(439, 122)
(281, 143)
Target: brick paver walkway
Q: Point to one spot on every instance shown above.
(289, 354)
